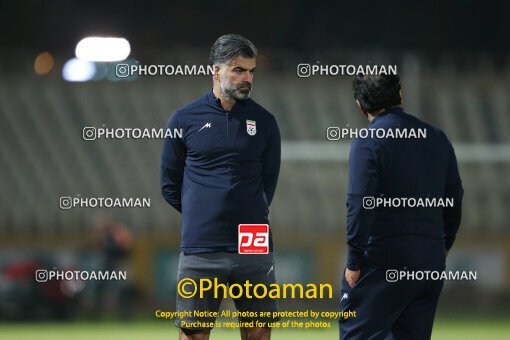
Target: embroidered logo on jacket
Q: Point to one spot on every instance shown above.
(251, 127)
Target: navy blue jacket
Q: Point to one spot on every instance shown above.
(219, 175)
(397, 237)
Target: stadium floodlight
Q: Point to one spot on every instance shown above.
(104, 49)
(78, 70)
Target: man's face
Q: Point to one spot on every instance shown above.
(236, 78)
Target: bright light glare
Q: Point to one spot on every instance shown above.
(78, 70)
(103, 49)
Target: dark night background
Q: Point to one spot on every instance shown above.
(429, 27)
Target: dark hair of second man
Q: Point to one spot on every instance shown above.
(377, 92)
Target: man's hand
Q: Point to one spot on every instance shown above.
(351, 276)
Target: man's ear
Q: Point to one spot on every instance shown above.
(401, 97)
(216, 72)
(362, 108)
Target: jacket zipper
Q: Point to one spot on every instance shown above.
(227, 117)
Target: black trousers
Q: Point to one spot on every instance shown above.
(388, 310)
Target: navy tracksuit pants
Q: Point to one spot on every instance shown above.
(388, 310)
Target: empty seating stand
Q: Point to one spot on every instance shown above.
(43, 155)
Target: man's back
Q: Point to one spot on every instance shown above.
(403, 212)
(405, 176)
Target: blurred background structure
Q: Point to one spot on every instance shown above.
(453, 58)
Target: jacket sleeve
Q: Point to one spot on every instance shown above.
(271, 161)
(453, 189)
(363, 182)
(172, 164)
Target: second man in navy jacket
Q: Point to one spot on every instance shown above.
(394, 237)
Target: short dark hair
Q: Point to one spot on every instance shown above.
(230, 46)
(376, 92)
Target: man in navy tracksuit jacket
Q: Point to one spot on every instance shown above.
(222, 173)
(218, 176)
(404, 238)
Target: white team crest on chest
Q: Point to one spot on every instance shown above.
(251, 127)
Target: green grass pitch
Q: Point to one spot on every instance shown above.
(462, 329)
